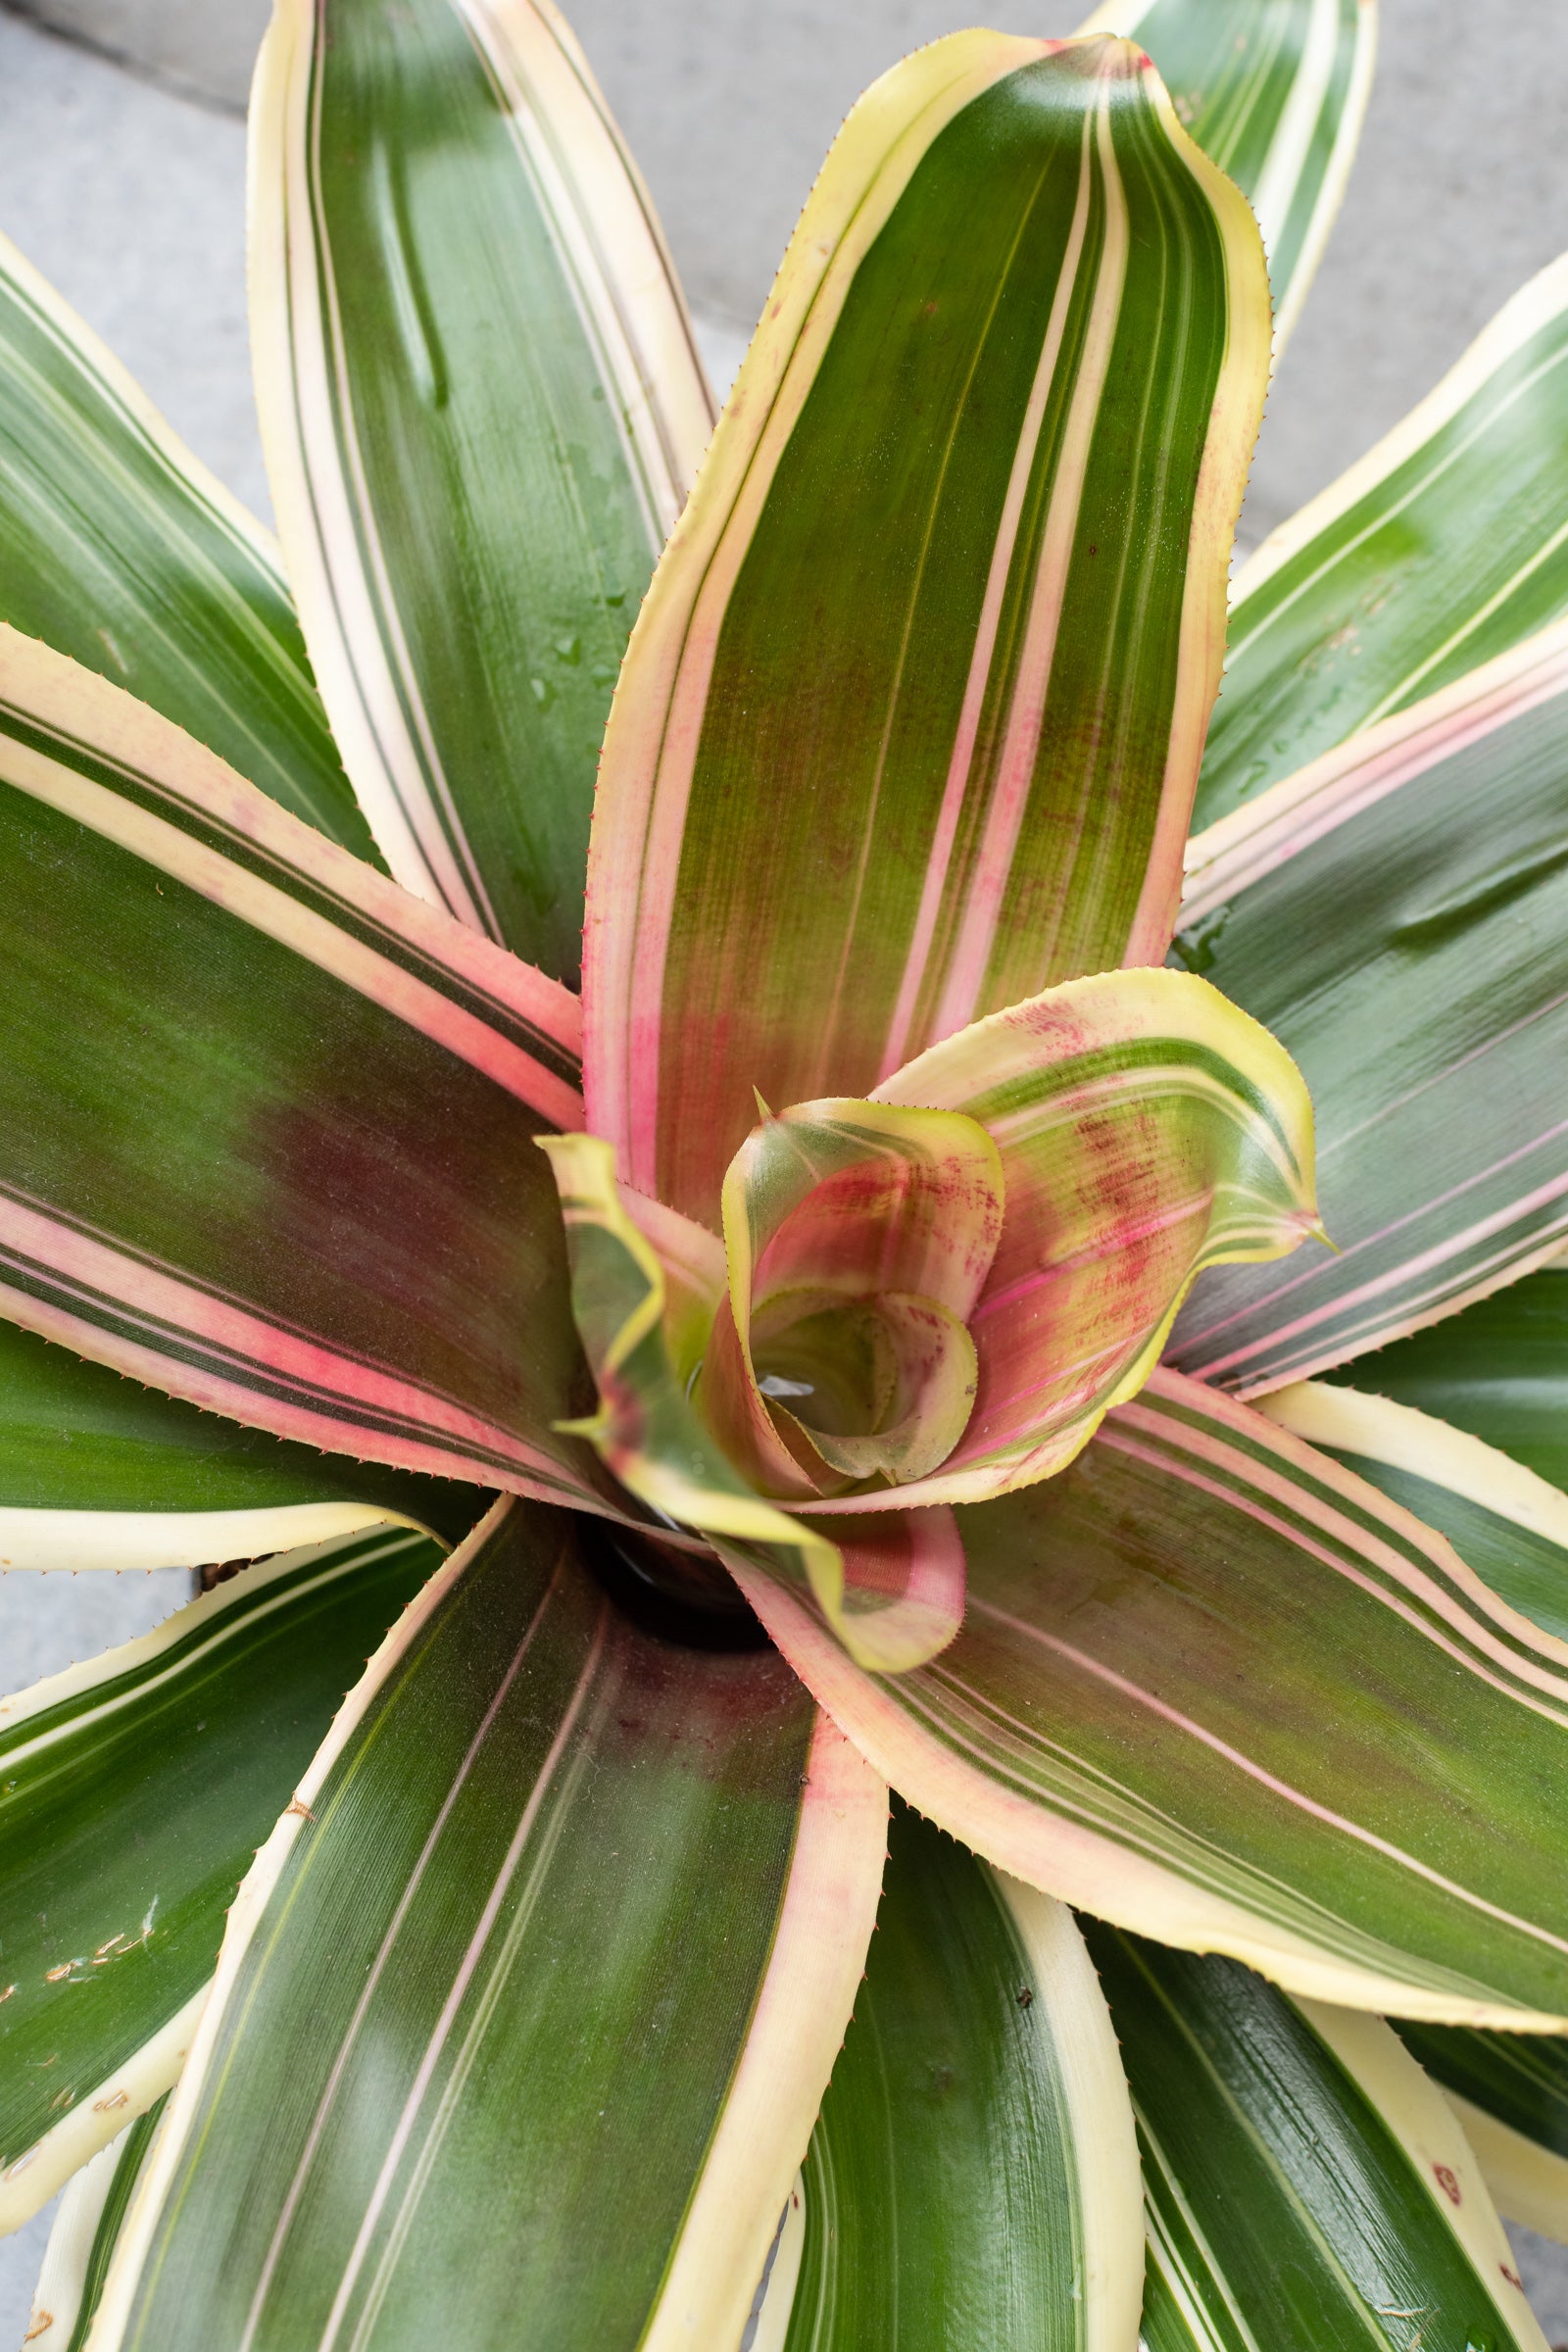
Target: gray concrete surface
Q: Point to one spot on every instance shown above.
(131, 197)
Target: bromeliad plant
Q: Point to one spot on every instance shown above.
(779, 1340)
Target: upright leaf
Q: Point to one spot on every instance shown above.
(1275, 91)
(910, 720)
(119, 548)
(285, 1169)
(596, 1908)
(973, 2175)
(1397, 915)
(1212, 1685)
(134, 1793)
(481, 408)
(1441, 547)
(1306, 2186)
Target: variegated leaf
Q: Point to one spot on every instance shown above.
(87, 2230)
(1397, 915)
(1443, 547)
(910, 720)
(1512, 1528)
(119, 548)
(1275, 91)
(1305, 2186)
(1146, 1129)
(1507, 1524)
(1499, 1369)
(98, 1472)
(973, 2175)
(1510, 2093)
(482, 407)
(134, 1793)
(1213, 1687)
(285, 1169)
(597, 1907)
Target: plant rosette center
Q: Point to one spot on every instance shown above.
(919, 1303)
(858, 1239)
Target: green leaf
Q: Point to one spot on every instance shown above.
(481, 408)
(1306, 2186)
(133, 1792)
(1504, 1521)
(98, 1473)
(910, 720)
(1444, 546)
(1499, 1370)
(87, 2230)
(286, 1168)
(1511, 1528)
(1510, 2091)
(596, 1909)
(973, 2175)
(1414, 961)
(1275, 91)
(119, 548)
(1217, 1688)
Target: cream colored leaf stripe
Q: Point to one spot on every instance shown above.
(826, 1919)
(89, 1696)
(676, 643)
(81, 347)
(608, 239)
(1297, 191)
(1354, 1421)
(986, 1779)
(1227, 857)
(598, 217)
(80, 745)
(1537, 306)
(106, 1302)
(1426, 2125)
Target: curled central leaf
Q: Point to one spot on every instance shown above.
(927, 1302)
(858, 1237)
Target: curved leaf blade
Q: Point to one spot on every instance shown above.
(973, 2175)
(1276, 94)
(1505, 1523)
(481, 407)
(119, 548)
(1305, 2184)
(98, 1472)
(599, 1908)
(1499, 1369)
(87, 2230)
(1510, 2093)
(1415, 964)
(133, 1792)
(287, 1171)
(1443, 547)
(1216, 1687)
(910, 721)
(1145, 1130)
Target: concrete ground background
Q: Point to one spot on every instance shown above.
(126, 188)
